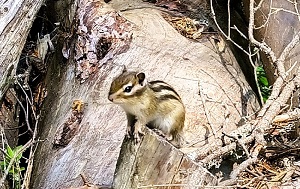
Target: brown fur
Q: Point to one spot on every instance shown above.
(155, 103)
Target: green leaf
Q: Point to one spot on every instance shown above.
(264, 81)
(265, 98)
(16, 150)
(10, 152)
(259, 69)
(12, 171)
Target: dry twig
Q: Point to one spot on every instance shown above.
(281, 93)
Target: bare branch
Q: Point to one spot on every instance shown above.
(296, 9)
(25, 111)
(268, 16)
(241, 34)
(255, 77)
(222, 32)
(239, 143)
(229, 17)
(262, 46)
(276, 10)
(33, 148)
(285, 53)
(259, 5)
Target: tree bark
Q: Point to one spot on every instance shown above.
(81, 132)
(155, 162)
(277, 24)
(16, 20)
(210, 82)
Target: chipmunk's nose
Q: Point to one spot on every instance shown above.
(110, 98)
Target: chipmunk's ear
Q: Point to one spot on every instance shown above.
(141, 77)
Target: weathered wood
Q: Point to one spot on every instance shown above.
(8, 119)
(276, 24)
(154, 161)
(16, 18)
(210, 83)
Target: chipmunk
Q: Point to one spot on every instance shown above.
(153, 103)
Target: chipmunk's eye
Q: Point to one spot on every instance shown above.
(127, 89)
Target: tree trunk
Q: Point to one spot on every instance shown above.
(16, 20)
(81, 132)
(205, 74)
(277, 25)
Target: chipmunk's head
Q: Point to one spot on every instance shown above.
(126, 86)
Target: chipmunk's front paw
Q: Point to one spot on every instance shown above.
(137, 136)
(169, 137)
(128, 132)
